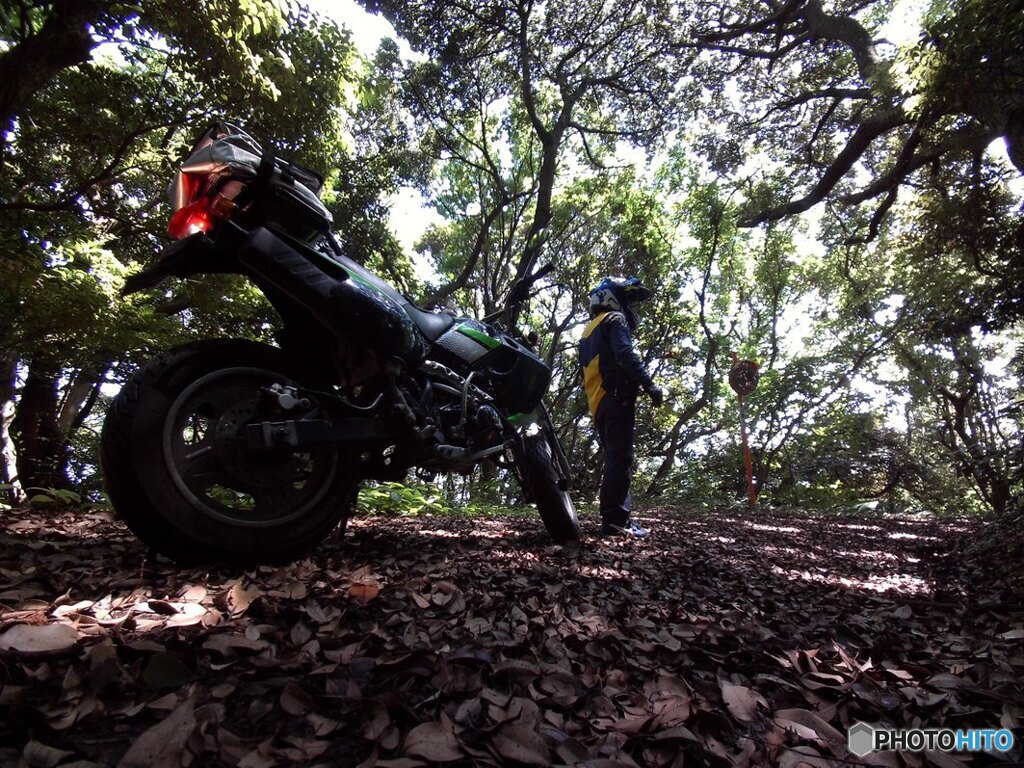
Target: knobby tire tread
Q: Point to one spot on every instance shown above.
(554, 505)
(125, 480)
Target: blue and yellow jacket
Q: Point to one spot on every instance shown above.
(609, 361)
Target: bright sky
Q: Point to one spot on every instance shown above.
(904, 24)
(367, 29)
(409, 216)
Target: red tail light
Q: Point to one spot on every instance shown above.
(191, 185)
(194, 217)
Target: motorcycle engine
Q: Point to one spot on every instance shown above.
(483, 425)
(488, 427)
(448, 418)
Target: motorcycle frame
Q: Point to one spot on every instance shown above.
(317, 339)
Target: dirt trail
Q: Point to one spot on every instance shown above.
(729, 638)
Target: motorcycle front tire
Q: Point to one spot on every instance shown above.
(214, 500)
(540, 481)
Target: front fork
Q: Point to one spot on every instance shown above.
(557, 452)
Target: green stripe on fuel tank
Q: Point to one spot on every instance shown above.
(488, 341)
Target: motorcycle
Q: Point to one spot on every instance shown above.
(238, 451)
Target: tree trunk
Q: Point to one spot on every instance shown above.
(1014, 134)
(63, 41)
(41, 445)
(79, 398)
(8, 456)
(975, 458)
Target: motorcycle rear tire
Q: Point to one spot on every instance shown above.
(540, 481)
(284, 519)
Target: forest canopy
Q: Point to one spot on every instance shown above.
(844, 209)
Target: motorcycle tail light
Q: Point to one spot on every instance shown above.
(185, 189)
(191, 185)
(194, 217)
(202, 214)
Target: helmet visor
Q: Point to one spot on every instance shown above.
(633, 290)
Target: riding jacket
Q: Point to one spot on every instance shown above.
(609, 361)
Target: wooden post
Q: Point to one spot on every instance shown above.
(751, 490)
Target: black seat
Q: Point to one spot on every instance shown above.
(432, 324)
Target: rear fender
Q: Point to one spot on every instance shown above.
(198, 254)
(193, 255)
(343, 303)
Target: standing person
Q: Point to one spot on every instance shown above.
(613, 375)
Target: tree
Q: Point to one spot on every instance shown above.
(76, 222)
(842, 120)
(594, 73)
(43, 42)
(45, 38)
(896, 144)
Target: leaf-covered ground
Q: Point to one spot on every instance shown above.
(733, 638)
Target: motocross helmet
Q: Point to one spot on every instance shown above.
(616, 294)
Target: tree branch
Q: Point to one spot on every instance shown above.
(63, 41)
(866, 133)
(846, 30)
(438, 297)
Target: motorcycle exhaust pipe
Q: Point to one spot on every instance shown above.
(341, 304)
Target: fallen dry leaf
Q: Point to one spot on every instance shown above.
(162, 745)
(240, 598)
(37, 755)
(521, 744)
(742, 701)
(433, 742)
(39, 640)
(364, 591)
(724, 639)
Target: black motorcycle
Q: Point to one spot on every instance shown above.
(233, 450)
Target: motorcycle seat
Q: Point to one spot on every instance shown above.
(431, 324)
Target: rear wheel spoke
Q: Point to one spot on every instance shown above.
(210, 455)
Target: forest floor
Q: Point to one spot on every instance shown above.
(726, 638)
